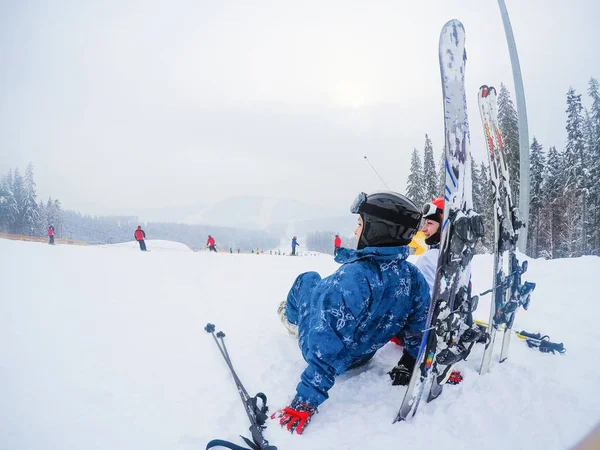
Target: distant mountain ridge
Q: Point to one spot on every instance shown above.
(279, 216)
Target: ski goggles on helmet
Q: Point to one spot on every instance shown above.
(429, 209)
(357, 203)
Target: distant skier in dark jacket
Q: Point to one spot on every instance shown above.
(343, 319)
(140, 235)
(294, 245)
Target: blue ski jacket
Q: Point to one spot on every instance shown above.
(345, 318)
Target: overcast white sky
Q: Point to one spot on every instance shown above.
(137, 104)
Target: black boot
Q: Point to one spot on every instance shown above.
(452, 355)
(401, 374)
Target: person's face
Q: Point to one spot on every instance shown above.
(359, 228)
(430, 227)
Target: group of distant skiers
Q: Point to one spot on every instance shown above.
(140, 236)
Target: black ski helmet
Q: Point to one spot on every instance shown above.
(389, 219)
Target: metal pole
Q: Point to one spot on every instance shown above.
(523, 129)
(382, 180)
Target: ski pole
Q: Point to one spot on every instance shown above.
(534, 340)
(541, 342)
(256, 414)
(519, 271)
(260, 413)
(210, 328)
(227, 358)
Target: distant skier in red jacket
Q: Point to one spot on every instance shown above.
(210, 243)
(51, 234)
(337, 244)
(140, 235)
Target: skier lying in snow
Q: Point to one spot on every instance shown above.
(342, 320)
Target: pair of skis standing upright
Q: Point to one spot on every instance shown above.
(451, 334)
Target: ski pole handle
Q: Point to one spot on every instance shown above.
(541, 342)
(536, 336)
(551, 347)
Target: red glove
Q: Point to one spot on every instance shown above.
(295, 417)
(397, 341)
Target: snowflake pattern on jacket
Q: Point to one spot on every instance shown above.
(345, 318)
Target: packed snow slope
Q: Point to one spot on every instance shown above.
(104, 348)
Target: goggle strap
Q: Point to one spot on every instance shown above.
(389, 215)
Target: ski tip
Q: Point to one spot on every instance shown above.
(486, 91)
(453, 27)
(452, 40)
(454, 23)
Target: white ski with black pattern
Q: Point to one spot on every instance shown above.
(460, 229)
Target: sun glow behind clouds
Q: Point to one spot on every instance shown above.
(349, 93)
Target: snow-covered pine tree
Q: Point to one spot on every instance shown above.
(29, 206)
(591, 208)
(42, 223)
(537, 168)
(57, 218)
(553, 208)
(17, 211)
(441, 175)
(576, 172)
(486, 205)
(593, 150)
(49, 213)
(430, 178)
(12, 208)
(415, 182)
(4, 204)
(477, 199)
(509, 127)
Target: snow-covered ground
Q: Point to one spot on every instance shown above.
(104, 348)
